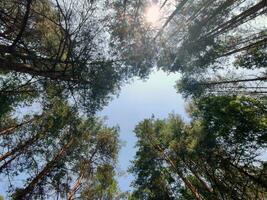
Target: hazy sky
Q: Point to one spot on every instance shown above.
(137, 101)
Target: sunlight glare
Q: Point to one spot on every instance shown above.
(153, 14)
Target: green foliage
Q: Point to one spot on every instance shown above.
(253, 59)
(215, 156)
(244, 119)
(63, 146)
(102, 185)
(152, 181)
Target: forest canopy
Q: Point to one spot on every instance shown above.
(62, 61)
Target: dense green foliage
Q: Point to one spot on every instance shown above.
(53, 148)
(215, 156)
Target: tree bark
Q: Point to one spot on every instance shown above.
(187, 183)
(234, 81)
(75, 187)
(178, 8)
(5, 131)
(23, 24)
(18, 148)
(251, 12)
(195, 173)
(28, 69)
(255, 44)
(5, 165)
(46, 170)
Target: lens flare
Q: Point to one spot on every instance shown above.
(152, 14)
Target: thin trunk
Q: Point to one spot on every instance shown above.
(24, 54)
(18, 148)
(195, 173)
(256, 180)
(23, 24)
(187, 183)
(163, 4)
(215, 182)
(46, 170)
(199, 11)
(178, 8)
(255, 44)
(75, 187)
(218, 10)
(238, 92)
(17, 92)
(234, 81)
(5, 131)
(246, 41)
(239, 19)
(28, 69)
(78, 182)
(5, 165)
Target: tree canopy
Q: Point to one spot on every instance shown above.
(213, 157)
(62, 61)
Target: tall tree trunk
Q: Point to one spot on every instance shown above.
(200, 10)
(239, 19)
(75, 187)
(8, 65)
(7, 130)
(46, 170)
(187, 183)
(256, 180)
(218, 185)
(18, 148)
(5, 165)
(190, 186)
(250, 46)
(176, 11)
(247, 41)
(78, 182)
(23, 24)
(234, 81)
(196, 174)
(218, 10)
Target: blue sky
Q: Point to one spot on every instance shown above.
(137, 101)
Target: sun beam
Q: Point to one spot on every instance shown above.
(152, 14)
